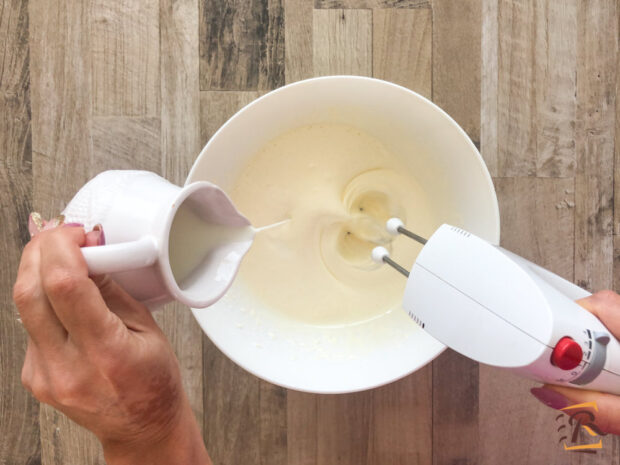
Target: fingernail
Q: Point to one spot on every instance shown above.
(54, 223)
(35, 223)
(550, 398)
(101, 237)
(74, 225)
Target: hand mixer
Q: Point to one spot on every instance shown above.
(499, 309)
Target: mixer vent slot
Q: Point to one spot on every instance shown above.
(460, 231)
(416, 319)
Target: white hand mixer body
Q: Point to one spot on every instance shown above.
(499, 309)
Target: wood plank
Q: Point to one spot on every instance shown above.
(126, 143)
(537, 88)
(596, 86)
(180, 91)
(538, 220)
(302, 428)
(402, 412)
(368, 4)
(239, 408)
(616, 188)
(401, 425)
(555, 87)
(61, 110)
(343, 433)
(455, 416)
(272, 417)
(488, 85)
(342, 42)
(125, 57)
(298, 40)
(180, 144)
(402, 48)
(537, 223)
(538, 217)
(19, 440)
(391, 424)
(597, 77)
(232, 400)
(516, 125)
(62, 161)
(457, 35)
(616, 264)
(216, 107)
(241, 44)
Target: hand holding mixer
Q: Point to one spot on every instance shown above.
(500, 309)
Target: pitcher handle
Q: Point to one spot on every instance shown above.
(123, 256)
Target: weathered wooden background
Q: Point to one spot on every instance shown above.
(87, 85)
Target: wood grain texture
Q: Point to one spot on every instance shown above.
(596, 77)
(62, 162)
(298, 40)
(241, 44)
(538, 220)
(401, 422)
(343, 433)
(19, 428)
(245, 418)
(367, 4)
(556, 88)
(180, 144)
(537, 88)
(342, 42)
(216, 107)
(401, 416)
(455, 403)
(538, 223)
(457, 36)
(125, 57)
(61, 104)
(117, 84)
(616, 200)
(457, 32)
(402, 48)
(121, 142)
(516, 118)
(616, 264)
(302, 428)
(488, 85)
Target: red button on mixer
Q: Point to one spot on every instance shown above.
(566, 354)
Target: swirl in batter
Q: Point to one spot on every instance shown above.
(338, 186)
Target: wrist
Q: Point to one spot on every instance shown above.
(183, 444)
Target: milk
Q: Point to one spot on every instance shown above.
(192, 239)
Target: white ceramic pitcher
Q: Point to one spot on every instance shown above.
(137, 210)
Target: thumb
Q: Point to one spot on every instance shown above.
(135, 315)
(605, 305)
(604, 408)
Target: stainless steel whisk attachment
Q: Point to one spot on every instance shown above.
(381, 255)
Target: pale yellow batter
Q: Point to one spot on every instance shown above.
(338, 186)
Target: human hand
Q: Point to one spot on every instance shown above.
(97, 355)
(605, 305)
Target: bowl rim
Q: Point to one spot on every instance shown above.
(495, 234)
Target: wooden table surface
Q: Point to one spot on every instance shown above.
(99, 84)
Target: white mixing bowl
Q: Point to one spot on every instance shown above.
(445, 163)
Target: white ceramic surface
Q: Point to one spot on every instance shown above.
(441, 157)
(136, 210)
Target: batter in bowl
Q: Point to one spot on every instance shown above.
(338, 186)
